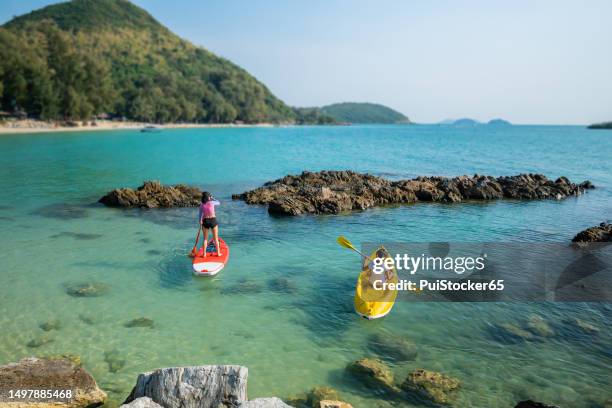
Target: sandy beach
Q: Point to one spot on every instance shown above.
(35, 126)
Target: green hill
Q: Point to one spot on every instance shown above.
(353, 112)
(82, 58)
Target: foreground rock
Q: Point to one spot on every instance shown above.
(599, 233)
(152, 194)
(193, 387)
(42, 374)
(332, 192)
(433, 386)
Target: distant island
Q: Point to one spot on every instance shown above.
(603, 125)
(353, 112)
(498, 122)
(467, 122)
(348, 113)
(88, 60)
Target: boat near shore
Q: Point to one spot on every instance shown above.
(151, 129)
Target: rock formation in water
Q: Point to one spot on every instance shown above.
(152, 194)
(373, 372)
(332, 192)
(53, 374)
(206, 386)
(433, 386)
(598, 233)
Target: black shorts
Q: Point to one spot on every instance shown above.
(209, 222)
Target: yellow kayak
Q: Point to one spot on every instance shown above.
(369, 302)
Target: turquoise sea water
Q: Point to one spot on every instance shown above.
(297, 336)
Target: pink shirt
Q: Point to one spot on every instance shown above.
(207, 209)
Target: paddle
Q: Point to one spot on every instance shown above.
(194, 250)
(348, 245)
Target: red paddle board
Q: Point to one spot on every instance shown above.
(211, 264)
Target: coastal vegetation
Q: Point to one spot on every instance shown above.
(84, 58)
(87, 59)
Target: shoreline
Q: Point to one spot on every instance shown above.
(35, 126)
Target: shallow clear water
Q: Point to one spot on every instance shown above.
(291, 338)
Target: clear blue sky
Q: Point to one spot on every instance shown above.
(545, 61)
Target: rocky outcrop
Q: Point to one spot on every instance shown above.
(332, 192)
(433, 386)
(599, 233)
(152, 194)
(55, 374)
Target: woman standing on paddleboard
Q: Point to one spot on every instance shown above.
(208, 220)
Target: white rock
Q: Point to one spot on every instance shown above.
(209, 386)
(142, 402)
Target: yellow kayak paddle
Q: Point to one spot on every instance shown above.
(348, 245)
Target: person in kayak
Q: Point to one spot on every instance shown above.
(208, 220)
(385, 275)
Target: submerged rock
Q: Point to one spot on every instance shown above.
(332, 192)
(140, 322)
(599, 233)
(193, 387)
(510, 333)
(533, 404)
(39, 341)
(49, 325)
(244, 287)
(92, 289)
(374, 372)
(431, 385)
(540, 327)
(318, 394)
(390, 346)
(73, 358)
(282, 285)
(59, 374)
(152, 194)
(333, 404)
(114, 360)
(87, 319)
(583, 326)
(61, 211)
